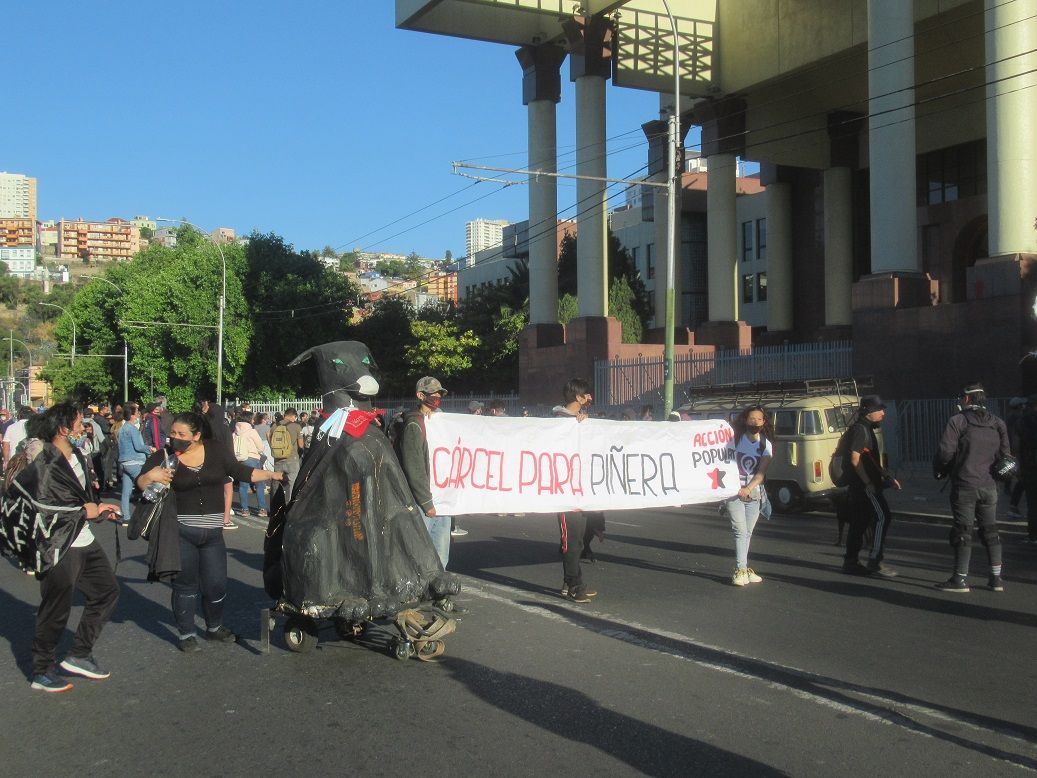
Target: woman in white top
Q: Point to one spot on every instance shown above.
(752, 453)
(254, 447)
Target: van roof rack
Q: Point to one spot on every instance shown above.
(777, 391)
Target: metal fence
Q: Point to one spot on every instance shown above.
(640, 380)
(453, 403)
(916, 426)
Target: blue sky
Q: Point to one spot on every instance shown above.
(317, 120)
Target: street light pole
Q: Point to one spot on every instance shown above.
(223, 305)
(674, 173)
(52, 305)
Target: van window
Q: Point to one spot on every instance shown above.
(810, 423)
(785, 422)
(839, 418)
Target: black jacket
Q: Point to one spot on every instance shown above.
(60, 501)
(164, 542)
(971, 442)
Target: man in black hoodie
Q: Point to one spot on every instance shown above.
(972, 441)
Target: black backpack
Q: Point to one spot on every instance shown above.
(837, 467)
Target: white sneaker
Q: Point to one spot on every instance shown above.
(752, 576)
(741, 577)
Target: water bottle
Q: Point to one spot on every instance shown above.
(155, 489)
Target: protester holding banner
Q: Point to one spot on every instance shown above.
(751, 449)
(577, 527)
(414, 459)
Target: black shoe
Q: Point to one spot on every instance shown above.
(189, 645)
(956, 583)
(220, 635)
(855, 568)
(995, 584)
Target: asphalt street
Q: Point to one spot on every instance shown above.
(671, 671)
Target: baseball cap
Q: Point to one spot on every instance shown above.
(475, 405)
(430, 385)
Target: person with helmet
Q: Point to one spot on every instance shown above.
(973, 440)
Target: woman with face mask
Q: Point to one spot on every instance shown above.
(201, 468)
(751, 451)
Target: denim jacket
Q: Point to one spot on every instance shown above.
(131, 445)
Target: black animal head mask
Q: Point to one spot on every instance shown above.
(345, 370)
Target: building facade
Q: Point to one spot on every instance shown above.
(482, 234)
(17, 196)
(20, 260)
(115, 240)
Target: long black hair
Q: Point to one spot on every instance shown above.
(740, 423)
(47, 426)
(196, 422)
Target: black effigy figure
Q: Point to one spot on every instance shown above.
(351, 544)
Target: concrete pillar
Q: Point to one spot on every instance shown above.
(891, 136)
(541, 91)
(592, 213)
(838, 214)
(656, 132)
(1011, 42)
(590, 66)
(661, 255)
(779, 257)
(722, 230)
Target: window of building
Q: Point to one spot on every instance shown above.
(761, 239)
(761, 287)
(946, 175)
(747, 288)
(650, 260)
(747, 241)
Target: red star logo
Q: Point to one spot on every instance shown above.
(716, 476)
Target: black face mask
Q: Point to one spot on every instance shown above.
(180, 446)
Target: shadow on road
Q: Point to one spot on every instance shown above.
(892, 706)
(573, 715)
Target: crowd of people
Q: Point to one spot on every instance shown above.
(202, 453)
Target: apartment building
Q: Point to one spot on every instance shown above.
(17, 196)
(115, 240)
(482, 234)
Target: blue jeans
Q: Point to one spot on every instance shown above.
(439, 530)
(130, 471)
(260, 489)
(203, 568)
(743, 515)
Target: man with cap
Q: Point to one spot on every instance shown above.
(475, 408)
(414, 459)
(972, 441)
(867, 480)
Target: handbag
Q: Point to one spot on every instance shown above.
(144, 516)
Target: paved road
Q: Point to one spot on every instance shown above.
(671, 671)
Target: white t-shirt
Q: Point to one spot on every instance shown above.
(86, 535)
(747, 455)
(14, 435)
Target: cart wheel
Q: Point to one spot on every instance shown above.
(299, 636)
(432, 648)
(401, 649)
(348, 630)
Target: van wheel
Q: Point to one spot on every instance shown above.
(785, 496)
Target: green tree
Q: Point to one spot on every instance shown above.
(296, 303)
(387, 333)
(347, 262)
(568, 308)
(440, 348)
(147, 233)
(621, 306)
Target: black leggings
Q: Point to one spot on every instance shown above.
(203, 568)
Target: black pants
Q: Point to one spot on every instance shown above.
(867, 510)
(203, 568)
(974, 507)
(572, 527)
(88, 570)
(1030, 487)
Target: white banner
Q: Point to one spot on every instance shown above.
(483, 464)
